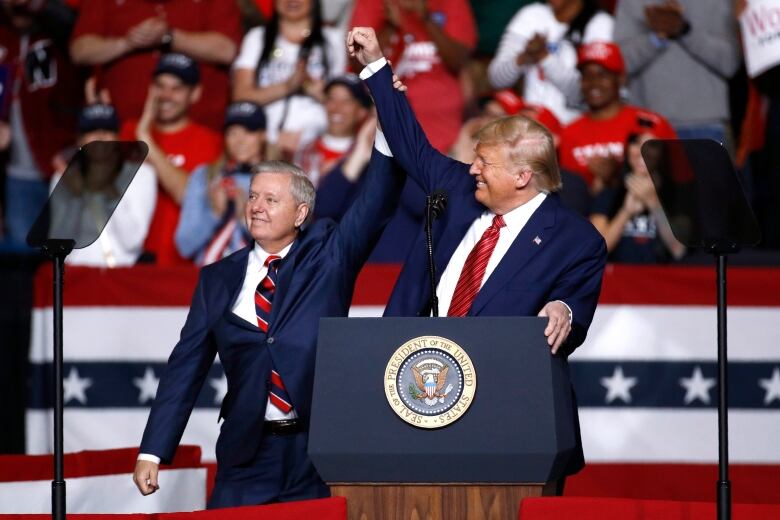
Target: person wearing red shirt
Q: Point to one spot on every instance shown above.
(593, 145)
(40, 96)
(429, 41)
(125, 38)
(176, 146)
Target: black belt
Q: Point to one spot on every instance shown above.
(284, 427)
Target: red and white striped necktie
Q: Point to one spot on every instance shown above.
(473, 272)
(264, 294)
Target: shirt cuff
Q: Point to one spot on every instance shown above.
(380, 143)
(571, 314)
(150, 458)
(372, 68)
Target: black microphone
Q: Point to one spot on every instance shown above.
(438, 202)
(435, 204)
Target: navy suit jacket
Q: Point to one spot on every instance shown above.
(316, 279)
(557, 256)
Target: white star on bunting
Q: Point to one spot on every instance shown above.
(772, 386)
(618, 386)
(75, 387)
(147, 385)
(697, 386)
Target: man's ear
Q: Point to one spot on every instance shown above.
(523, 177)
(301, 213)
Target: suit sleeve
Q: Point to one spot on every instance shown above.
(181, 381)
(362, 224)
(427, 166)
(335, 193)
(579, 286)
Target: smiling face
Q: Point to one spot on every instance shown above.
(244, 146)
(496, 178)
(600, 87)
(174, 98)
(273, 216)
(344, 111)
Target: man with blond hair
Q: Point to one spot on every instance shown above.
(504, 245)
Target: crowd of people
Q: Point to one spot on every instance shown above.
(214, 87)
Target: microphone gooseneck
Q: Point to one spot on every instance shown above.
(435, 204)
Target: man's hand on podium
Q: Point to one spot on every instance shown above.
(145, 476)
(559, 324)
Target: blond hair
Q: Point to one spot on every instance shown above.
(530, 145)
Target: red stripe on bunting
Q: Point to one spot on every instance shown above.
(15, 468)
(152, 286)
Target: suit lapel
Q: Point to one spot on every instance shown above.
(235, 272)
(233, 277)
(525, 247)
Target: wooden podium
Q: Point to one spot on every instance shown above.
(437, 501)
(516, 438)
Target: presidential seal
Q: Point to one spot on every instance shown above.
(430, 382)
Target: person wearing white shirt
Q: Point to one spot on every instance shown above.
(284, 66)
(120, 243)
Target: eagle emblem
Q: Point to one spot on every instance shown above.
(430, 376)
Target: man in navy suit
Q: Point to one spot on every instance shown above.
(543, 259)
(259, 309)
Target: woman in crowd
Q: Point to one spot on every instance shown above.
(211, 225)
(284, 66)
(630, 216)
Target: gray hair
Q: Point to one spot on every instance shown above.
(301, 187)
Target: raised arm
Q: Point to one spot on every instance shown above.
(427, 166)
(637, 43)
(362, 224)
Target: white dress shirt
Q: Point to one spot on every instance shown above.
(515, 220)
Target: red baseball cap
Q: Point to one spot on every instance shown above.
(606, 54)
(514, 104)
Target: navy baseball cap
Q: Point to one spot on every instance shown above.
(98, 117)
(180, 65)
(247, 114)
(355, 87)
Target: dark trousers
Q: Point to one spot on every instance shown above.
(280, 472)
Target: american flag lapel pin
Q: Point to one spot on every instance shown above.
(537, 240)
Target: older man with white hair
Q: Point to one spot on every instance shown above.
(259, 309)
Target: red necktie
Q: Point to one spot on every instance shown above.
(264, 294)
(474, 269)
